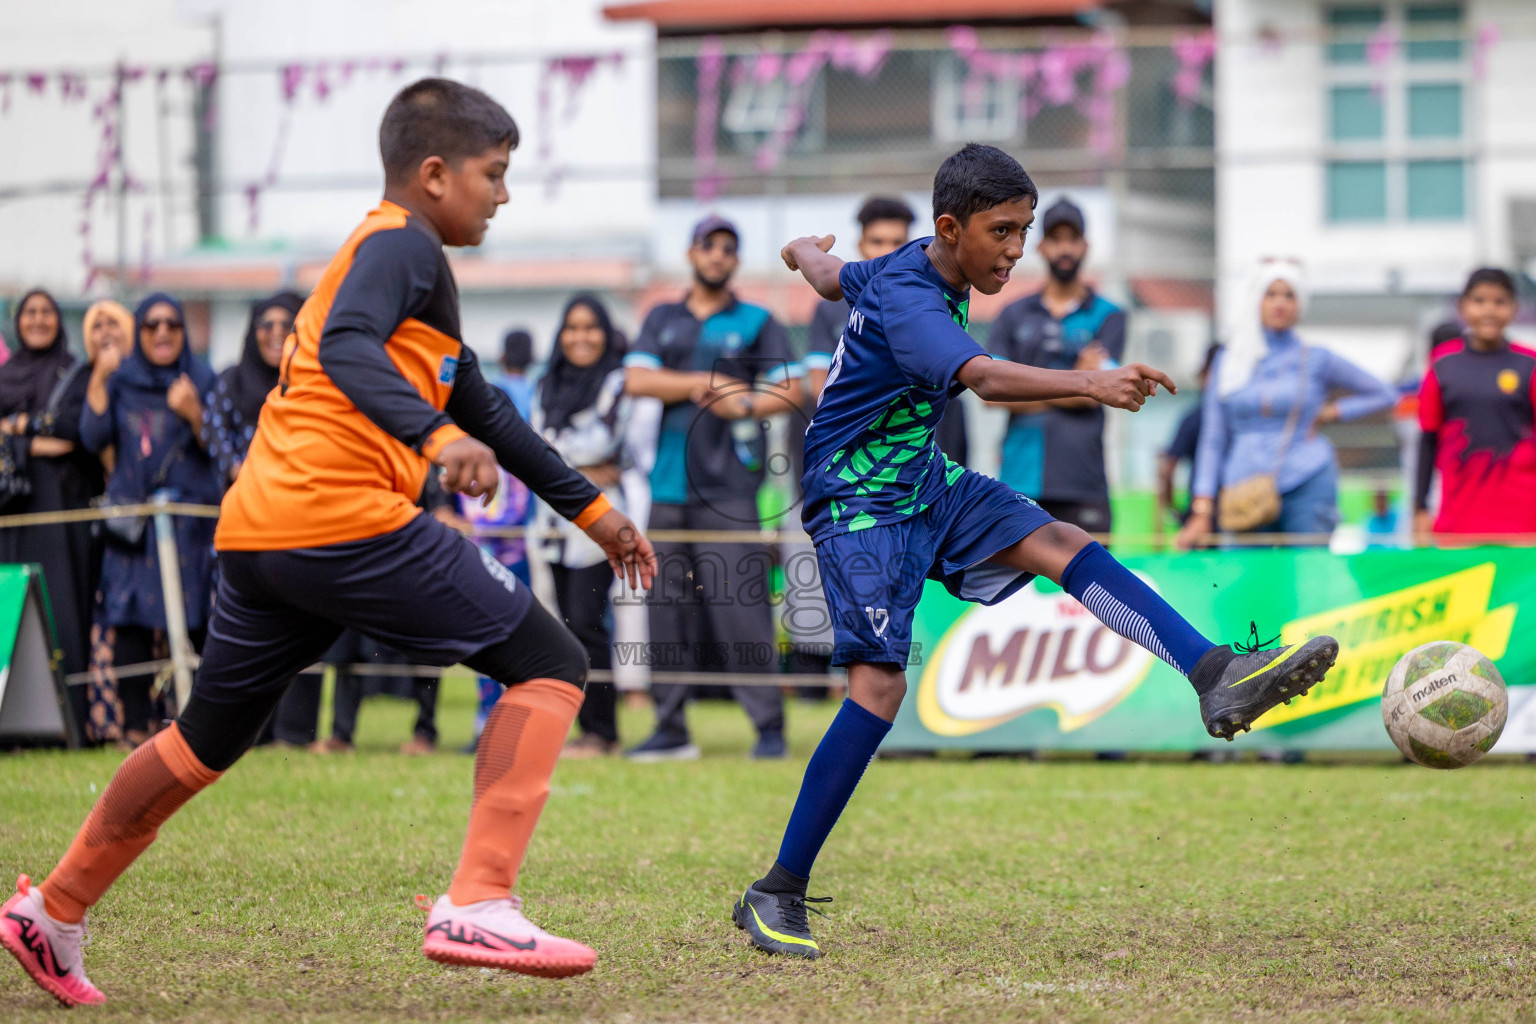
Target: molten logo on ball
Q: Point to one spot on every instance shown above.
(1444, 705)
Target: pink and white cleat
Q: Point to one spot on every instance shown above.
(494, 933)
(48, 950)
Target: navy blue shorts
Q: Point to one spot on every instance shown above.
(873, 578)
(423, 589)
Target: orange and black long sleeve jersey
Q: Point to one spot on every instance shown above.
(374, 381)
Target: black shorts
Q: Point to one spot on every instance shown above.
(1092, 516)
(423, 589)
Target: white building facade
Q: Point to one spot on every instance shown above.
(245, 147)
(1389, 144)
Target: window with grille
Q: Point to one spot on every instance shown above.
(1396, 133)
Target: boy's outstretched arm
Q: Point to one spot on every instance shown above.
(1125, 387)
(488, 415)
(809, 255)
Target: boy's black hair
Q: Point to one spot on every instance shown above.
(440, 117)
(516, 350)
(978, 178)
(1450, 330)
(1493, 276)
(884, 208)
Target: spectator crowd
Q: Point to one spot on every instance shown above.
(673, 426)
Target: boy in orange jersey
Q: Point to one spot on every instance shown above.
(321, 533)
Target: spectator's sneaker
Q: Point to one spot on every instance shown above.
(587, 747)
(770, 746)
(494, 933)
(661, 747)
(776, 921)
(1250, 680)
(48, 950)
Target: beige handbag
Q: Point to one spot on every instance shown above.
(1255, 501)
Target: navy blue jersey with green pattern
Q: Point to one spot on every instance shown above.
(870, 456)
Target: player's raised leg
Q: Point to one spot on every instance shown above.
(479, 921)
(1236, 684)
(253, 651)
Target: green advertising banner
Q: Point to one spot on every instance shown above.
(1038, 671)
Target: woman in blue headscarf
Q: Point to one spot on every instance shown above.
(147, 407)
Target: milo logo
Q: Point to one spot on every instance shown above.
(1032, 651)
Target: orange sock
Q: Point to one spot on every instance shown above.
(148, 787)
(513, 763)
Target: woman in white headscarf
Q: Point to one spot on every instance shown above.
(1269, 393)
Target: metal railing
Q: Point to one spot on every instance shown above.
(183, 661)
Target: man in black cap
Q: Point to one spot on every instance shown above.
(1054, 450)
(720, 367)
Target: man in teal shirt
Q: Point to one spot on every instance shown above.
(720, 367)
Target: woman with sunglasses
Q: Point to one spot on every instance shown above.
(147, 406)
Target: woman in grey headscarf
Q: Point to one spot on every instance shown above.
(1270, 393)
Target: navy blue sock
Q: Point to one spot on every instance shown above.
(1131, 608)
(835, 769)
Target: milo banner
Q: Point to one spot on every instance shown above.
(1040, 672)
(34, 704)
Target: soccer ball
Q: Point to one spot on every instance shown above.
(1444, 705)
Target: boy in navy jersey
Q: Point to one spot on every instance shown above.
(886, 510)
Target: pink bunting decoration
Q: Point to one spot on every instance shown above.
(201, 74)
(707, 182)
(108, 115)
(1194, 53)
(71, 86)
(1487, 38)
(863, 57)
(576, 72)
(767, 67)
(145, 255)
(292, 77)
(1050, 78)
(1380, 48)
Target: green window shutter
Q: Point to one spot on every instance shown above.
(1436, 190)
(1434, 32)
(1353, 22)
(1434, 111)
(1354, 112)
(1357, 190)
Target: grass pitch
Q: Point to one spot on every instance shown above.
(966, 891)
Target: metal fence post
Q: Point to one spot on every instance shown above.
(175, 604)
